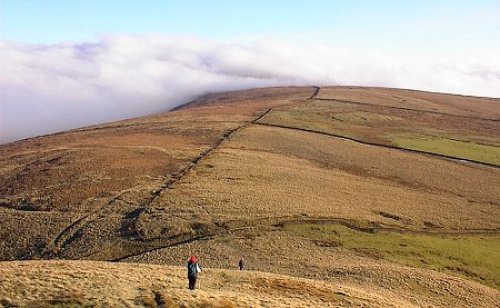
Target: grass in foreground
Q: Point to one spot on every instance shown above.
(472, 256)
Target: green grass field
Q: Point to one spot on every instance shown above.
(452, 147)
(476, 257)
(385, 129)
(325, 123)
(362, 118)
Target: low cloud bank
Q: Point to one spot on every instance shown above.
(48, 88)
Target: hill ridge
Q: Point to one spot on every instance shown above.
(344, 186)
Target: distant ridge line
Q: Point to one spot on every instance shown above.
(403, 108)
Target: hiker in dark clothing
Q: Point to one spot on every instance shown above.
(193, 269)
(241, 264)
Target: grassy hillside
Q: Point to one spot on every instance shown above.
(445, 133)
(470, 256)
(225, 177)
(101, 284)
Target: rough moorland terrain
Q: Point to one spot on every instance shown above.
(392, 192)
(104, 284)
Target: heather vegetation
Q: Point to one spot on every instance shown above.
(355, 189)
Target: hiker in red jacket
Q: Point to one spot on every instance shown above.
(193, 269)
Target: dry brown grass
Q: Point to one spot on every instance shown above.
(463, 137)
(204, 179)
(419, 100)
(90, 284)
(284, 253)
(102, 284)
(274, 172)
(104, 173)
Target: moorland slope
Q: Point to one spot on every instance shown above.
(394, 192)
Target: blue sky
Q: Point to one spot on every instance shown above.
(67, 64)
(388, 24)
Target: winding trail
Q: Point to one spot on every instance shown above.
(277, 223)
(71, 232)
(231, 227)
(280, 222)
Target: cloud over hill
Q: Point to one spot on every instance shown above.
(46, 88)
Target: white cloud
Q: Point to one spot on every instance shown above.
(46, 88)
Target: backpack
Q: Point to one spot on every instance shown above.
(192, 269)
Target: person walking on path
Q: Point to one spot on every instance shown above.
(193, 269)
(241, 264)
